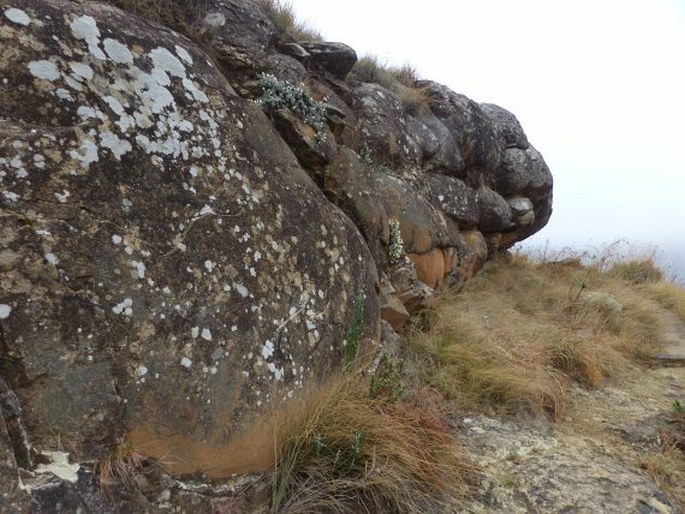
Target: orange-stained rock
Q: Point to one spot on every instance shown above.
(471, 262)
(430, 267)
(392, 308)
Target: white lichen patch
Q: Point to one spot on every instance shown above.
(5, 311)
(206, 334)
(241, 289)
(116, 145)
(44, 70)
(183, 54)
(114, 104)
(164, 60)
(186, 362)
(59, 466)
(87, 153)
(17, 16)
(125, 307)
(278, 373)
(138, 269)
(214, 19)
(52, 258)
(209, 266)
(81, 71)
(117, 52)
(267, 349)
(86, 29)
(117, 239)
(141, 371)
(62, 197)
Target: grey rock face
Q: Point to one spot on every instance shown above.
(494, 212)
(175, 263)
(453, 197)
(476, 137)
(168, 263)
(335, 58)
(507, 128)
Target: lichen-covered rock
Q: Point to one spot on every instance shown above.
(313, 149)
(478, 143)
(168, 269)
(335, 58)
(494, 211)
(178, 258)
(507, 128)
(383, 127)
(453, 197)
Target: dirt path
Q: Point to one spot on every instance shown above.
(594, 461)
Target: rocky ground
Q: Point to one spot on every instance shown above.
(597, 458)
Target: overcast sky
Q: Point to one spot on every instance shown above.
(598, 85)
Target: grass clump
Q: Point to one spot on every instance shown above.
(354, 333)
(282, 15)
(668, 295)
(638, 271)
(400, 80)
(183, 16)
(522, 331)
(119, 466)
(347, 451)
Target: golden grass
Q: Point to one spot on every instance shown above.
(344, 451)
(119, 467)
(637, 271)
(400, 80)
(668, 295)
(181, 15)
(522, 331)
(667, 468)
(282, 15)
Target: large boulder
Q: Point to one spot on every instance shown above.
(479, 144)
(168, 270)
(334, 58)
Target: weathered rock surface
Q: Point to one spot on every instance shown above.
(534, 471)
(168, 268)
(177, 260)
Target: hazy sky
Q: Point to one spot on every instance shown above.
(598, 85)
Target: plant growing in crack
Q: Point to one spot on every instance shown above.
(280, 94)
(396, 250)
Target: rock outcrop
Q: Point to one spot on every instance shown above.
(178, 256)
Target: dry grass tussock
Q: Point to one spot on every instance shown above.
(282, 15)
(668, 295)
(119, 467)
(522, 331)
(400, 80)
(667, 467)
(346, 450)
(183, 16)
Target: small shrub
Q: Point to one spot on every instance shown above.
(387, 381)
(396, 249)
(279, 94)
